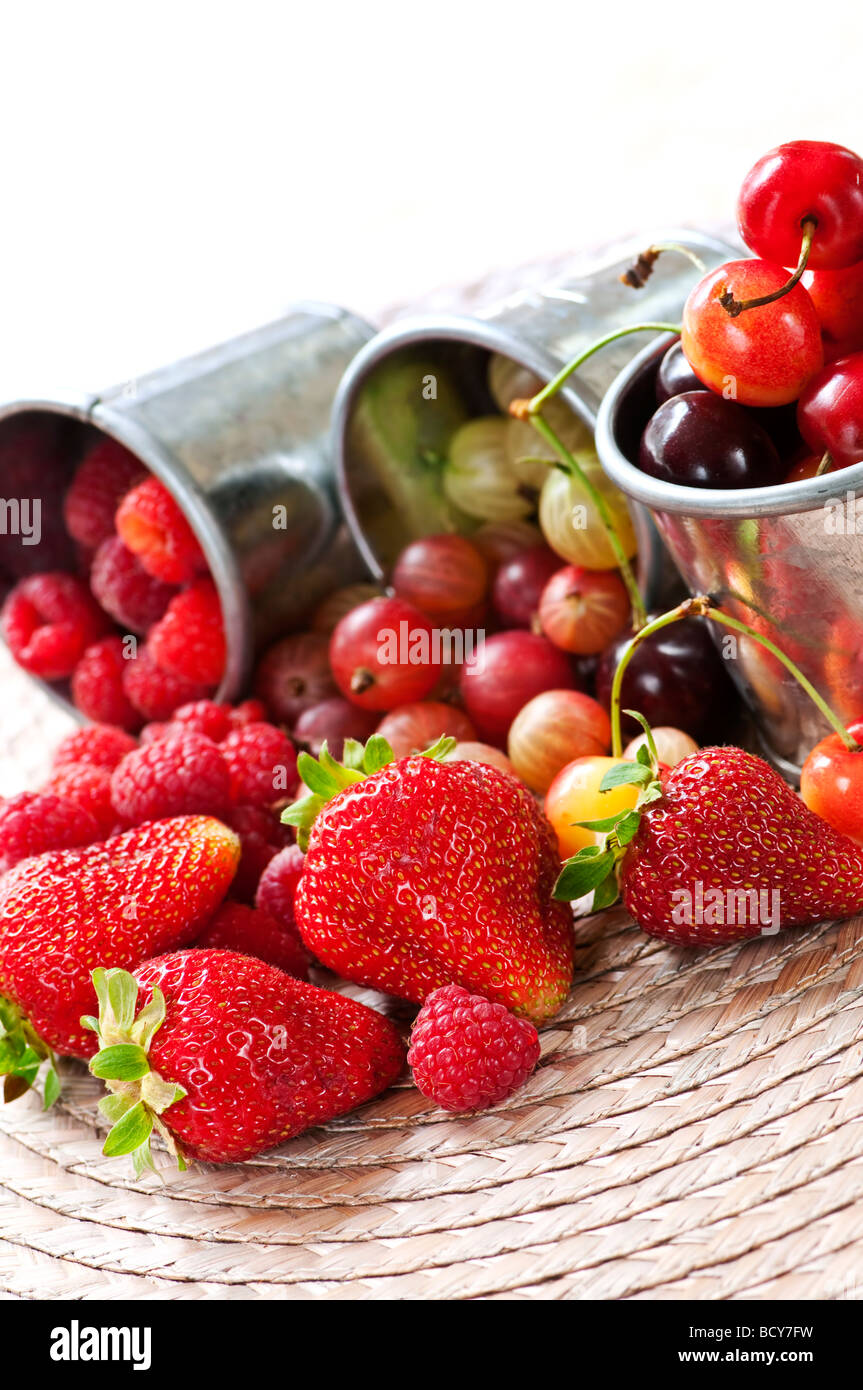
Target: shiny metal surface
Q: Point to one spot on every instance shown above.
(788, 560)
(541, 329)
(235, 432)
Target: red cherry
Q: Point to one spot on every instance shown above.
(384, 653)
(804, 180)
(831, 783)
(445, 576)
(762, 357)
(830, 411)
(519, 583)
(511, 668)
(838, 299)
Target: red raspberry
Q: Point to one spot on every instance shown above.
(467, 1053)
(49, 620)
(124, 588)
(156, 693)
(100, 745)
(89, 787)
(102, 480)
(262, 836)
(262, 762)
(204, 717)
(278, 885)
(179, 776)
(34, 822)
(154, 528)
(236, 927)
(248, 712)
(98, 685)
(189, 641)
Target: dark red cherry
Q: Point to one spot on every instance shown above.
(702, 440)
(675, 677)
(830, 411)
(675, 375)
(804, 180)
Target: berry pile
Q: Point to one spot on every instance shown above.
(139, 569)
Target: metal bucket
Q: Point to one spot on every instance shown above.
(788, 560)
(540, 329)
(234, 432)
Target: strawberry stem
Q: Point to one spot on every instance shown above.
(138, 1095)
(703, 606)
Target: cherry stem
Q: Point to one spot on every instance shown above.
(574, 468)
(734, 306)
(825, 465)
(641, 270)
(535, 405)
(704, 607)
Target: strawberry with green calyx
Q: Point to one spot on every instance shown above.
(225, 1056)
(725, 822)
(421, 873)
(720, 849)
(118, 901)
(325, 777)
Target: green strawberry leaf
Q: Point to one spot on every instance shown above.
(606, 893)
(316, 777)
(22, 1055)
(625, 775)
(627, 827)
(122, 1062)
(602, 826)
(378, 754)
(51, 1087)
(131, 1131)
(438, 751)
(642, 754)
(584, 872)
(137, 1095)
(353, 753)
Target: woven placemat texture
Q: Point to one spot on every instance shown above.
(694, 1130)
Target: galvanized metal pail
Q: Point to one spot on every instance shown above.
(787, 559)
(233, 433)
(540, 329)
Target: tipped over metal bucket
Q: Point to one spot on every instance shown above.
(239, 435)
(540, 329)
(788, 560)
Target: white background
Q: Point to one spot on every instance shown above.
(174, 172)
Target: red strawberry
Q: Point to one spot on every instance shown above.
(719, 849)
(230, 1056)
(120, 901)
(424, 873)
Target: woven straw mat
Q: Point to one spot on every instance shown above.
(693, 1131)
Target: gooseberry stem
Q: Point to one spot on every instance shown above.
(734, 306)
(574, 468)
(703, 606)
